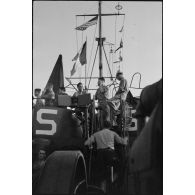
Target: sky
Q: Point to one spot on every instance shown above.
(54, 33)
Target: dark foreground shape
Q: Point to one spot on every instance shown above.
(65, 173)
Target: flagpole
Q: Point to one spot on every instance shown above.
(86, 66)
(100, 40)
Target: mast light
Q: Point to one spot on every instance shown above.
(118, 7)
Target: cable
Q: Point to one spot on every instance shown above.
(93, 66)
(77, 36)
(107, 63)
(80, 68)
(123, 38)
(115, 40)
(92, 49)
(83, 30)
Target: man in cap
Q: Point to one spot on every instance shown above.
(38, 101)
(120, 95)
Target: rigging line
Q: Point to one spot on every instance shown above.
(93, 66)
(80, 70)
(71, 84)
(107, 63)
(112, 62)
(115, 39)
(109, 57)
(121, 54)
(92, 50)
(86, 67)
(83, 30)
(123, 22)
(76, 36)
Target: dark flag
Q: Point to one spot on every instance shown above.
(76, 57)
(121, 45)
(121, 29)
(87, 24)
(116, 62)
(74, 68)
(120, 57)
(57, 76)
(83, 57)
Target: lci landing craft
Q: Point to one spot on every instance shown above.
(97, 145)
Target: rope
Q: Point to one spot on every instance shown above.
(93, 66)
(83, 31)
(107, 62)
(92, 50)
(123, 38)
(112, 62)
(80, 69)
(76, 36)
(109, 58)
(115, 40)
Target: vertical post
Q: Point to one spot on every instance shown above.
(86, 134)
(86, 67)
(100, 41)
(85, 76)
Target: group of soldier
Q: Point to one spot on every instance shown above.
(109, 107)
(105, 137)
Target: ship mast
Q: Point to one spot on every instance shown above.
(100, 39)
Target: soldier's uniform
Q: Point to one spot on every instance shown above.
(120, 95)
(102, 96)
(77, 93)
(105, 140)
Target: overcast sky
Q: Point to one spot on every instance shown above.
(54, 33)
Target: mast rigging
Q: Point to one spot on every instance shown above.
(100, 44)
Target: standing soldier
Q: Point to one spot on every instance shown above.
(105, 140)
(120, 95)
(102, 96)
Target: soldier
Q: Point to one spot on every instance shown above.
(150, 96)
(37, 167)
(147, 150)
(80, 90)
(105, 140)
(79, 111)
(49, 95)
(102, 96)
(120, 95)
(39, 102)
